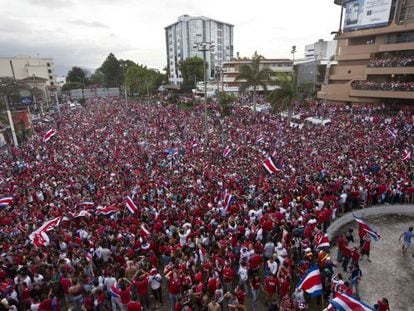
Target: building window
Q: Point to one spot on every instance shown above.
(50, 77)
(49, 71)
(48, 64)
(52, 84)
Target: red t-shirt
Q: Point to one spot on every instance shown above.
(270, 285)
(134, 306)
(174, 287)
(142, 286)
(255, 262)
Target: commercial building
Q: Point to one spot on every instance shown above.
(231, 70)
(375, 53)
(311, 70)
(188, 31)
(22, 67)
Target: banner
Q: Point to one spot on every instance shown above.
(360, 14)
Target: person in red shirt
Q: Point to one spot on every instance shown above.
(255, 262)
(270, 288)
(254, 287)
(366, 246)
(212, 284)
(228, 277)
(174, 286)
(134, 306)
(141, 283)
(383, 305)
(240, 294)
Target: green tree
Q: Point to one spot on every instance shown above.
(192, 70)
(283, 97)
(139, 79)
(76, 74)
(225, 102)
(112, 71)
(68, 86)
(252, 75)
(97, 78)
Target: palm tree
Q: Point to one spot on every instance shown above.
(282, 98)
(253, 76)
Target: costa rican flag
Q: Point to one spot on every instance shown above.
(106, 210)
(39, 236)
(226, 152)
(344, 302)
(322, 241)
(311, 282)
(259, 139)
(194, 144)
(228, 199)
(49, 134)
(130, 205)
(81, 214)
(407, 155)
(211, 131)
(270, 166)
(144, 231)
(393, 133)
(41, 239)
(6, 201)
(86, 204)
(364, 226)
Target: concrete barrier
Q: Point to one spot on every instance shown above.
(369, 212)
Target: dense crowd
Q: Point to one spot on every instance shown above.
(383, 86)
(188, 245)
(392, 61)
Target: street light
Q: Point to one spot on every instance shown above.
(204, 47)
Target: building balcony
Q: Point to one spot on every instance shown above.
(396, 47)
(381, 94)
(390, 70)
(359, 56)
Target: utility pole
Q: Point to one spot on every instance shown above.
(204, 47)
(16, 143)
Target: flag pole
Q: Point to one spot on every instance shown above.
(323, 301)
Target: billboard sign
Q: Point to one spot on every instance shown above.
(360, 14)
(26, 100)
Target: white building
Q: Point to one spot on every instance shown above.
(320, 50)
(22, 67)
(231, 70)
(189, 31)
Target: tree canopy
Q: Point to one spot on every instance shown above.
(283, 97)
(112, 71)
(191, 71)
(139, 79)
(76, 74)
(253, 75)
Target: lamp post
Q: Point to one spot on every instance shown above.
(204, 47)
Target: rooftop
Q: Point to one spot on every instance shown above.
(186, 17)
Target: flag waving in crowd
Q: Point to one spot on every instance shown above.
(344, 302)
(49, 134)
(270, 166)
(365, 227)
(130, 205)
(311, 282)
(226, 152)
(6, 201)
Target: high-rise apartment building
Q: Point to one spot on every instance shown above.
(375, 53)
(188, 31)
(23, 67)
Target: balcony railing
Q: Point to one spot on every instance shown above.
(383, 86)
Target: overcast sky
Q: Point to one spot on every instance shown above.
(83, 32)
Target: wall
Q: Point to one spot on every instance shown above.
(369, 212)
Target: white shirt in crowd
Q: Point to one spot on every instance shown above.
(155, 281)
